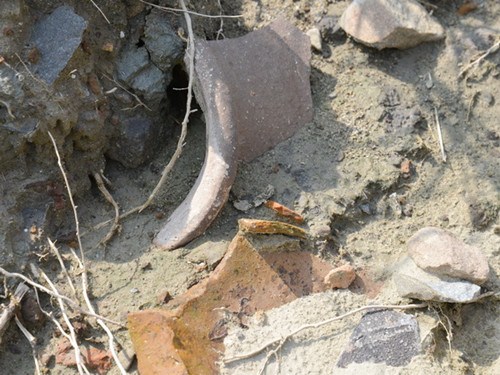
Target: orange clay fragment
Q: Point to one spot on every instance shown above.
(284, 211)
(270, 227)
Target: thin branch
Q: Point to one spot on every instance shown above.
(67, 300)
(440, 135)
(282, 340)
(74, 343)
(184, 10)
(32, 340)
(116, 222)
(127, 91)
(63, 267)
(10, 310)
(495, 47)
(100, 11)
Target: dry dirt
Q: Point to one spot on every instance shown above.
(342, 172)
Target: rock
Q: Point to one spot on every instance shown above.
(390, 23)
(340, 277)
(135, 141)
(162, 42)
(328, 26)
(383, 336)
(413, 282)
(135, 70)
(56, 38)
(315, 37)
(439, 252)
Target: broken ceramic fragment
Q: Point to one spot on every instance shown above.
(254, 92)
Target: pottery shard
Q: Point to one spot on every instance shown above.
(340, 277)
(439, 252)
(390, 23)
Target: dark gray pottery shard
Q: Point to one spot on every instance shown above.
(254, 92)
(383, 336)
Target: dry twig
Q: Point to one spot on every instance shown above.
(10, 310)
(82, 260)
(495, 47)
(116, 222)
(185, 11)
(440, 135)
(72, 334)
(32, 340)
(139, 101)
(63, 267)
(67, 300)
(471, 104)
(100, 11)
(282, 340)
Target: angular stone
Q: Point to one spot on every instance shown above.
(315, 37)
(341, 277)
(413, 282)
(383, 336)
(439, 252)
(56, 37)
(136, 70)
(161, 40)
(135, 142)
(390, 23)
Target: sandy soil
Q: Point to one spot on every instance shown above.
(342, 172)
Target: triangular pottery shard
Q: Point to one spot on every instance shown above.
(254, 92)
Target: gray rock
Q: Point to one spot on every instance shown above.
(136, 70)
(131, 62)
(161, 40)
(56, 37)
(390, 23)
(136, 141)
(383, 336)
(151, 84)
(413, 282)
(439, 252)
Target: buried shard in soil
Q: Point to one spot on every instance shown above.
(254, 92)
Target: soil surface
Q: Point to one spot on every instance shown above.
(344, 172)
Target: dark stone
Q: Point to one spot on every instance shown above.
(56, 38)
(161, 40)
(383, 336)
(137, 140)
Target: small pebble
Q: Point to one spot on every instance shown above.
(315, 37)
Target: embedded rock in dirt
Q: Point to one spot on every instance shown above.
(56, 37)
(439, 252)
(162, 42)
(340, 277)
(136, 71)
(413, 282)
(390, 23)
(383, 336)
(136, 141)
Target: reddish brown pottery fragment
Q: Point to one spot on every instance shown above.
(254, 92)
(182, 339)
